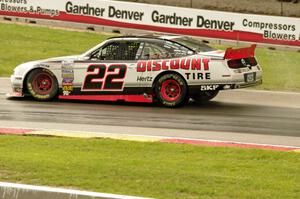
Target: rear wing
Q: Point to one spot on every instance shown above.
(240, 53)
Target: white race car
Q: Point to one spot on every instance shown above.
(170, 70)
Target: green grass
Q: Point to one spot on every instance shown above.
(20, 43)
(157, 170)
(281, 69)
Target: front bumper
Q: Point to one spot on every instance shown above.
(16, 86)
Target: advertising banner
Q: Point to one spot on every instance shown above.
(167, 19)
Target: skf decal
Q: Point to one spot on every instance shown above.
(174, 64)
(209, 87)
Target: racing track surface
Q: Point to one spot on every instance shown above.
(233, 115)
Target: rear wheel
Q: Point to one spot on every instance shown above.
(42, 84)
(171, 90)
(205, 96)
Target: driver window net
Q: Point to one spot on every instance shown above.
(121, 51)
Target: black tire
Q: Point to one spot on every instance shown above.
(171, 90)
(205, 96)
(42, 84)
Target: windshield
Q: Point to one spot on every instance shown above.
(194, 44)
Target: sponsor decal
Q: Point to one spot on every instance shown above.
(214, 24)
(144, 79)
(67, 74)
(113, 12)
(280, 36)
(23, 6)
(209, 87)
(174, 64)
(124, 14)
(273, 30)
(34, 94)
(174, 19)
(67, 89)
(197, 76)
(14, 1)
(84, 10)
(170, 19)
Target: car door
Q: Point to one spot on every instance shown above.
(110, 69)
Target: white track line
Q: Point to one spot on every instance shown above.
(269, 92)
(32, 188)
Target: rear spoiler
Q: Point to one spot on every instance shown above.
(240, 53)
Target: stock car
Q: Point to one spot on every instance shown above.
(166, 69)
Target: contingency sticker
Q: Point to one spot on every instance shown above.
(67, 73)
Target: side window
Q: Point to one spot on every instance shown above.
(163, 50)
(154, 51)
(126, 50)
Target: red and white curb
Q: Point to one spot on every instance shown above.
(21, 191)
(146, 138)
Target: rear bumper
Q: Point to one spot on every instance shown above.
(193, 89)
(245, 85)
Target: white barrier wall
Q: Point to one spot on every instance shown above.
(195, 22)
(21, 191)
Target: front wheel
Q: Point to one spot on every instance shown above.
(205, 96)
(171, 90)
(42, 84)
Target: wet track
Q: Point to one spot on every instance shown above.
(227, 113)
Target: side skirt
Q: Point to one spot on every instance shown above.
(126, 98)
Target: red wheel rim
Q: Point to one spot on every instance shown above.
(42, 83)
(170, 90)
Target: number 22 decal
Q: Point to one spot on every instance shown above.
(99, 77)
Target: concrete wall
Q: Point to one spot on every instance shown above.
(268, 7)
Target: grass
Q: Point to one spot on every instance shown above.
(20, 43)
(281, 69)
(157, 170)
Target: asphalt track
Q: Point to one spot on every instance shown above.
(240, 115)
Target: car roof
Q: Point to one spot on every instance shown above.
(146, 37)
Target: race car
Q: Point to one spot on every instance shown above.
(166, 69)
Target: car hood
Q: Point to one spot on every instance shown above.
(65, 58)
(23, 68)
